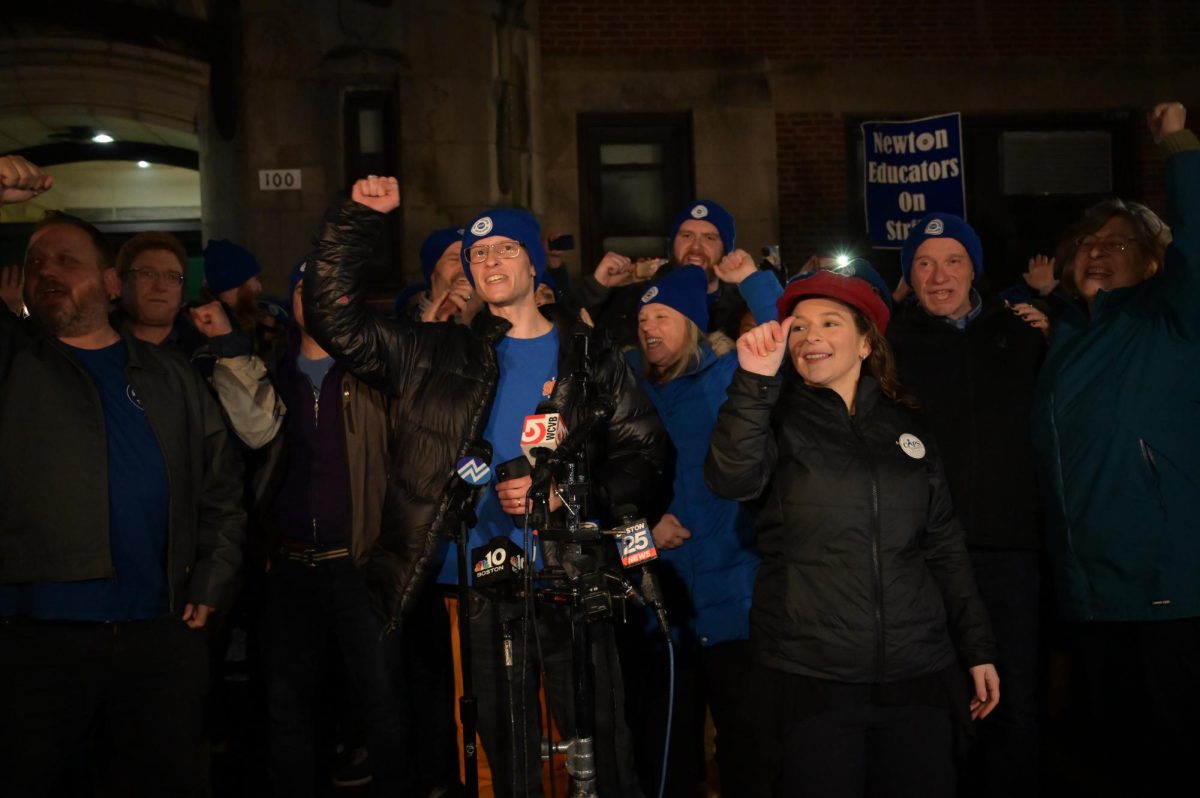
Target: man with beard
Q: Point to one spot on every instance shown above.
(153, 268)
(120, 526)
(703, 234)
(231, 277)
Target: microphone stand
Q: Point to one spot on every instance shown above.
(468, 704)
(463, 493)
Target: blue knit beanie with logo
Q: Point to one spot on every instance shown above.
(714, 214)
(686, 290)
(511, 223)
(941, 225)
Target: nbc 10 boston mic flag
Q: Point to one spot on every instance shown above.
(911, 168)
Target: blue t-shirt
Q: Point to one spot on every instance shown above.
(314, 369)
(528, 368)
(138, 506)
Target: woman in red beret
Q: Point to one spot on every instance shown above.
(865, 611)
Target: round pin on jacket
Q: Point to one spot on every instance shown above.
(911, 445)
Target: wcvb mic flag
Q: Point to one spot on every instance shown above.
(544, 429)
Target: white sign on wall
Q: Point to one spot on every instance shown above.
(278, 179)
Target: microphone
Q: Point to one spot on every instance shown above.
(636, 545)
(541, 435)
(472, 472)
(544, 430)
(498, 565)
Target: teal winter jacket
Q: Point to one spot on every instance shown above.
(1116, 425)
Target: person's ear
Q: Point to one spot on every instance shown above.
(112, 283)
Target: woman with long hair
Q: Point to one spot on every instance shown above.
(865, 609)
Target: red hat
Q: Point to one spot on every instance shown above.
(856, 292)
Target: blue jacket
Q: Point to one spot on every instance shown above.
(1116, 426)
(709, 580)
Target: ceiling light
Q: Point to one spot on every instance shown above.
(143, 164)
(102, 138)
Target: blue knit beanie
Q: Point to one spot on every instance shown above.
(512, 223)
(435, 245)
(711, 212)
(685, 289)
(227, 265)
(941, 225)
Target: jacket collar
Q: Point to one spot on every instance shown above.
(865, 400)
(491, 328)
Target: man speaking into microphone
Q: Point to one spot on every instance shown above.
(456, 384)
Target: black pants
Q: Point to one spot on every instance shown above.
(429, 690)
(306, 607)
(710, 678)
(145, 679)
(1004, 757)
(858, 748)
(510, 725)
(1144, 702)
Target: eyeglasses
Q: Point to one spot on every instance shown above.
(504, 249)
(1109, 246)
(150, 276)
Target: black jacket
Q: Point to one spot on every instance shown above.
(865, 576)
(53, 471)
(975, 387)
(443, 380)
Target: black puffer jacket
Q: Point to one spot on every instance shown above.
(865, 575)
(443, 377)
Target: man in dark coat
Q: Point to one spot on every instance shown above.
(971, 362)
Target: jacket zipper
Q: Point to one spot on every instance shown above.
(1062, 484)
(316, 430)
(1062, 498)
(346, 429)
(876, 562)
(1152, 465)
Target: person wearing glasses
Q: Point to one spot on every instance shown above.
(1118, 441)
(152, 267)
(865, 611)
(457, 384)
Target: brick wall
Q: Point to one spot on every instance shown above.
(813, 187)
(813, 173)
(833, 29)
